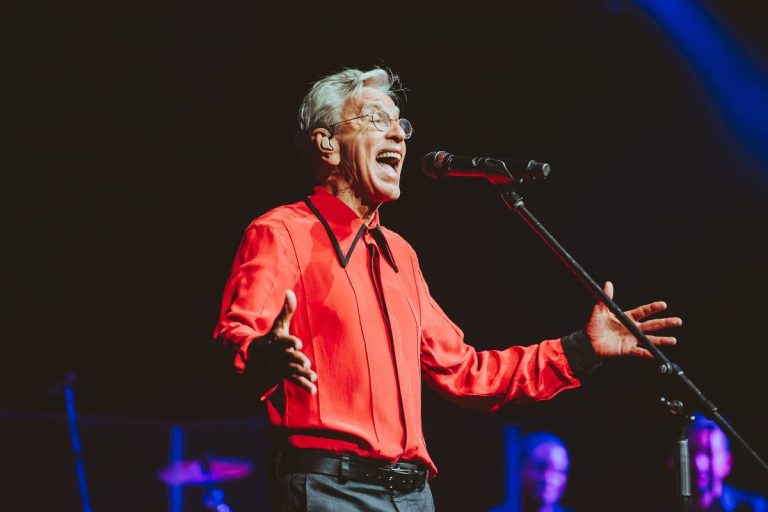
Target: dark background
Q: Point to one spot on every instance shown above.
(142, 142)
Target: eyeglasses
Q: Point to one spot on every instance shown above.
(381, 121)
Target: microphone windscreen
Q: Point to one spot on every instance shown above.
(432, 164)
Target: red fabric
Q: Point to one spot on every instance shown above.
(369, 382)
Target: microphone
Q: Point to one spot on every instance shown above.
(441, 164)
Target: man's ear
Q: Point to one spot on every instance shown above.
(322, 140)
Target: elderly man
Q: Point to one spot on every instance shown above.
(331, 320)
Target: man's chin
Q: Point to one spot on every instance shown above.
(387, 194)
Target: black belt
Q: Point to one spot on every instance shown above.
(399, 476)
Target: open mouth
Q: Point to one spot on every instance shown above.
(390, 158)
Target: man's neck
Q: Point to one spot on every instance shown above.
(347, 195)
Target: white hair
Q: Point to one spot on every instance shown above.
(323, 103)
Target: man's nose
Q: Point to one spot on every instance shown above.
(396, 131)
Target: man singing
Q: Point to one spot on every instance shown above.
(332, 323)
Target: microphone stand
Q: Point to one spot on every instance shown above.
(666, 367)
(682, 455)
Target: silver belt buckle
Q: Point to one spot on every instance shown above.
(404, 484)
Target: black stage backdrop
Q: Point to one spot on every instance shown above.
(142, 142)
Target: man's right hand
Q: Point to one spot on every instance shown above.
(277, 355)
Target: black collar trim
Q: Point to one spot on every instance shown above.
(376, 232)
(343, 260)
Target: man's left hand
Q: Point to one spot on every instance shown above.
(610, 338)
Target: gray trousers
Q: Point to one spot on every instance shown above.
(300, 492)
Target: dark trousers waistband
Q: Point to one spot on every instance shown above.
(399, 476)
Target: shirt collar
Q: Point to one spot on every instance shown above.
(344, 226)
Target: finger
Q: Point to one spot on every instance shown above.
(601, 306)
(608, 289)
(662, 340)
(660, 323)
(304, 383)
(643, 311)
(283, 320)
(298, 357)
(636, 351)
(288, 342)
(303, 371)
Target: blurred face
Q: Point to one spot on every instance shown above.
(545, 473)
(373, 159)
(710, 463)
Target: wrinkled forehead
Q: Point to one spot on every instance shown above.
(371, 100)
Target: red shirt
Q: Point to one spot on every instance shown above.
(371, 330)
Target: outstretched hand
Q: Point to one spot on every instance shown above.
(279, 354)
(610, 338)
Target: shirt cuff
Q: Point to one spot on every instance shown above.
(580, 355)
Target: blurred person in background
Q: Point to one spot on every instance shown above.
(537, 473)
(711, 463)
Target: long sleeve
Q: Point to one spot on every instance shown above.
(372, 333)
(488, 379)
(255, 291)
